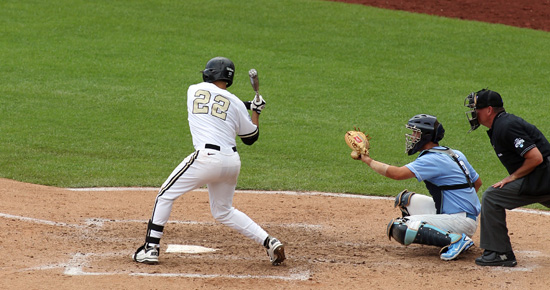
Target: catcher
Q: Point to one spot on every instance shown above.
(447, 219)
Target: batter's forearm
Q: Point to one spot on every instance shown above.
(256, 118)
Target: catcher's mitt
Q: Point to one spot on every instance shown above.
(358, 142)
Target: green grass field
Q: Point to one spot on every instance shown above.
(93, 92)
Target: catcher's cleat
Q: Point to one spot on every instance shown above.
(452, 251)
(275, 251)
(146, 254)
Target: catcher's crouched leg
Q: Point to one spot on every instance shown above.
(411, 203)
(402, 200)
(418, 232)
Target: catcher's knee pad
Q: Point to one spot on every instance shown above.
(402, 200)
(154, 233)
(400, 231)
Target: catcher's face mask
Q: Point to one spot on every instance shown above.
(470, 102)
(412, 140)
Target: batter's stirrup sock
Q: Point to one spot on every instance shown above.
(153, 227)
(266, 242)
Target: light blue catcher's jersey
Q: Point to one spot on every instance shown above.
(440, 169)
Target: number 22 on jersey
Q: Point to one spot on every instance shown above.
(219, 106)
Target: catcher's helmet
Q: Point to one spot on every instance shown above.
(425, 128)
(219, 68)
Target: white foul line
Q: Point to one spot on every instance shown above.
(297, 193)
(37, 221)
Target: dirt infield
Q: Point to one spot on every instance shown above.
(63, 239)
(533, 14)
(53, 238)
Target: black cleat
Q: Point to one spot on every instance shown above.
(492, 258)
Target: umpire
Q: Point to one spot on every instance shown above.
(525, 153)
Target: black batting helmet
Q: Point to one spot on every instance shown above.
(219, 68)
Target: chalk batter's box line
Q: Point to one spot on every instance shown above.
(74, 267)
(76, 264)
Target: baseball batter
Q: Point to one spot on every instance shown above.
(215, 117)
(448, 218)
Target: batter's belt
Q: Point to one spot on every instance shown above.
(217, 148)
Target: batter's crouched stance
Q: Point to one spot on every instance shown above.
(448, 218)
(215, 118)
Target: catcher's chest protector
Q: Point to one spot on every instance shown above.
(435, 191)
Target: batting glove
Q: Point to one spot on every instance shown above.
(257, 105)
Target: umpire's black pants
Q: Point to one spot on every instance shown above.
(495, 201)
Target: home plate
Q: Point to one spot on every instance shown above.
(188, 249)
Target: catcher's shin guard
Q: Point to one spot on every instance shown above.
(402, 200)
(430, 235)
(419, 233)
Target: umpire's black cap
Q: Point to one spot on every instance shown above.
(486, 98)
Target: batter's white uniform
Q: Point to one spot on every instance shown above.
(215, 117)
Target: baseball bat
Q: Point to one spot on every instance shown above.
(255, 82)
